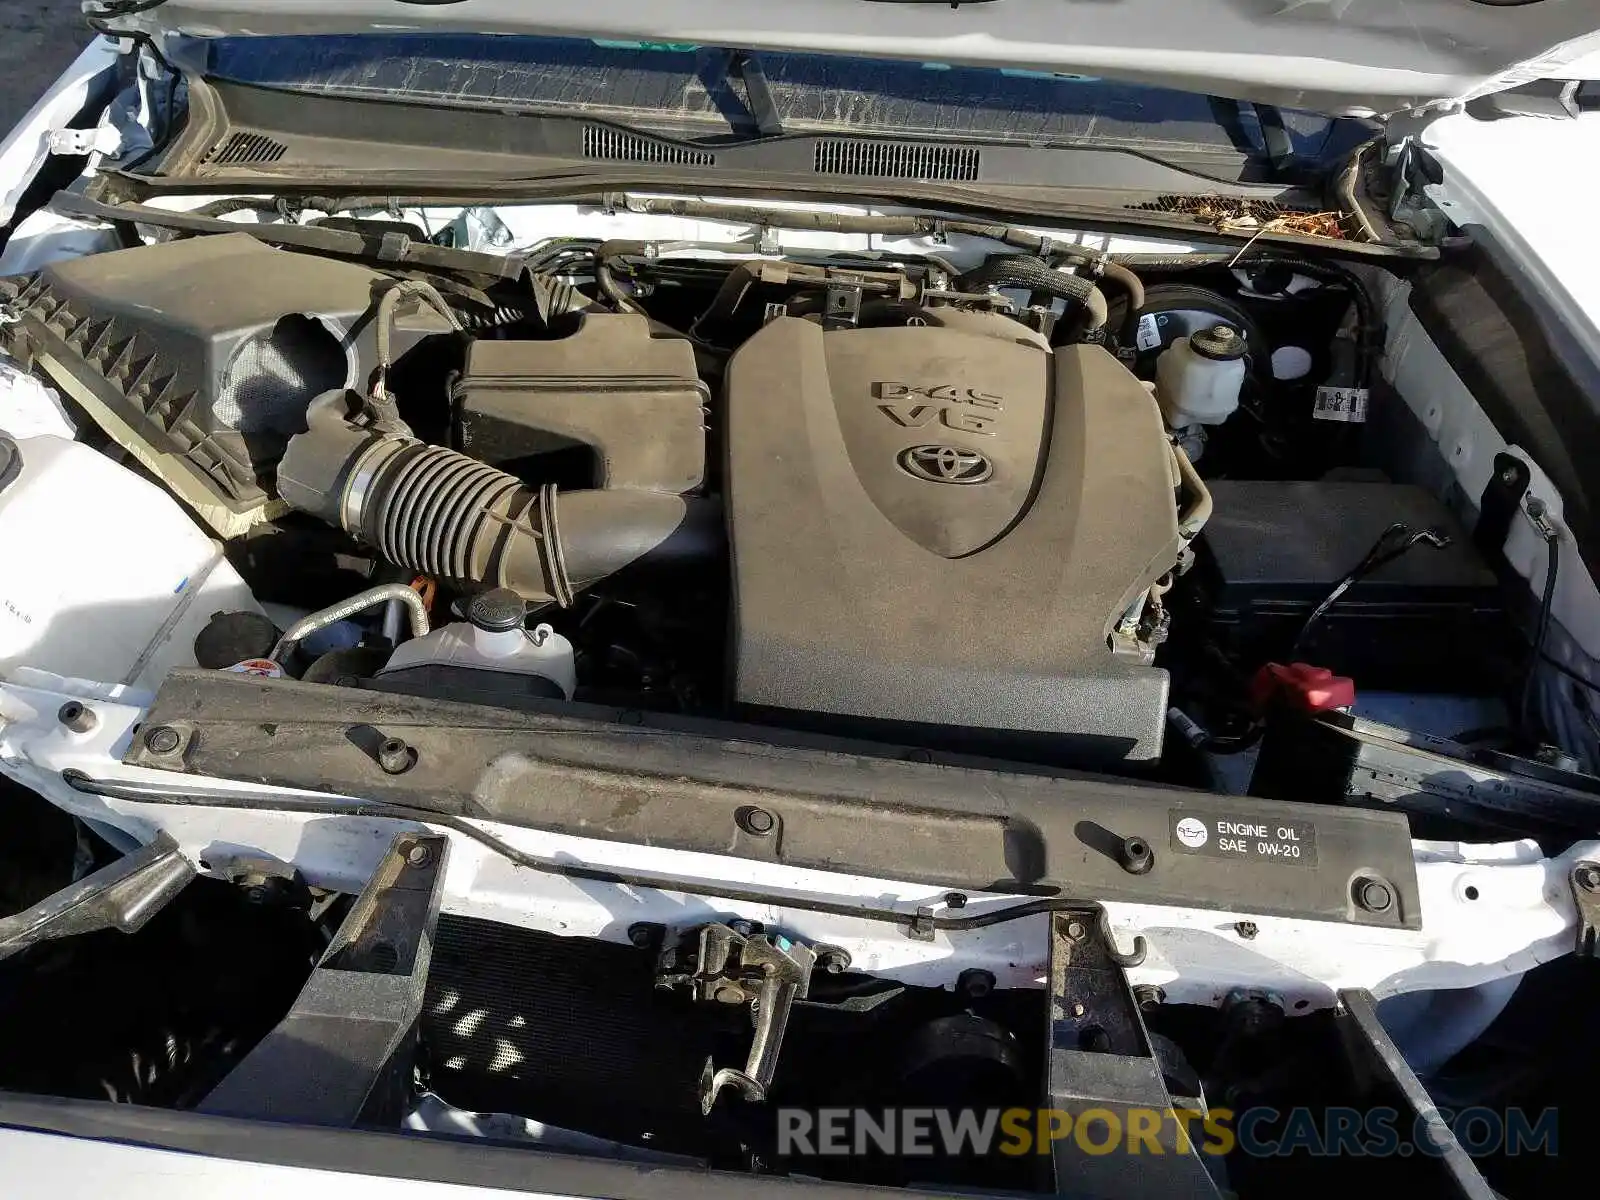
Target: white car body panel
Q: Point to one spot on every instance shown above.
(27, 147)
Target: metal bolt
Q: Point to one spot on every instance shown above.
(163, 739)
(643, 934)
(76, 717)
(1508, 476)
(1078, 1009)
(1589, 878)
(757, 822)
(1149, 995)
(1374, 895)
(974, 984)
(394, 756)
(419, 855)
(1246, 929)
(1136, 856)
(834, 960)
(955, 900)
(727, 993)
(1076, 931)
(742, 927)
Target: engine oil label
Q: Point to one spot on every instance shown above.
(1258, 838)
(1341, 404)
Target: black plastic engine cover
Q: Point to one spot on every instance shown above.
(941, 526)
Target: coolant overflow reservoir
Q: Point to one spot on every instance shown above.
(1198, 377)
(494, 638)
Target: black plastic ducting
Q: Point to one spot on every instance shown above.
(439, 512)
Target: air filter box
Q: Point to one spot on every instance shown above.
(201, 356)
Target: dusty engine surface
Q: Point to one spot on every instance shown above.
(942, 524)
(937, 524)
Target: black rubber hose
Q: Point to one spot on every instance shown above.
(1025, 271)
(1032, 274)
(438, 512)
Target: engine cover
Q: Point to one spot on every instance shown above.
(941, 525)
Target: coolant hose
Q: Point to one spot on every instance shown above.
(383, 594)
(1125, 279)
(1192, 520)
(1025, 271)
(440, 513)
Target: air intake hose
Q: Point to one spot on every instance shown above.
(1026, 271)
(441, 513)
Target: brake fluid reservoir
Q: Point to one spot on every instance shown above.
(494, 638)
(1198, 377)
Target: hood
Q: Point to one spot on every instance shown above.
(1354, 57)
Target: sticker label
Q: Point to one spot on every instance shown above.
(1149, 334)
(1341, 404)
(1258, 838)
(261, 668)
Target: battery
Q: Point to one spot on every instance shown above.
(1431, 620)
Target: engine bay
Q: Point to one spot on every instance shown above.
(858, 566)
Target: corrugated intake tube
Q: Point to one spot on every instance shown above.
(441, 513)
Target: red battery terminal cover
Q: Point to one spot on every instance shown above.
(1301, 687)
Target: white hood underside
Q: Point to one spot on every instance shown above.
(1335, 56)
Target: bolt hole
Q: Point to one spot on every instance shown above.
(205, 865)
(1301, 1005)
(1136, 847)
(1471, 893)
(393, 746)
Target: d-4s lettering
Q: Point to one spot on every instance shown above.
(963, 409)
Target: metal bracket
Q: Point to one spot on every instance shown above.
(343, 1054)
(842, 309)
(124, 895)
(1585, 882)
(76, 143)
(1379, 1064)
(727, 966)
(1101, 1061)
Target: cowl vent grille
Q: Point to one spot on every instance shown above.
(616, 146)
(242, 148)
(896, 160)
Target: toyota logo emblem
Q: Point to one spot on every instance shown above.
(945, 464)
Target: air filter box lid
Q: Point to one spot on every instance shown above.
(619, 388)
